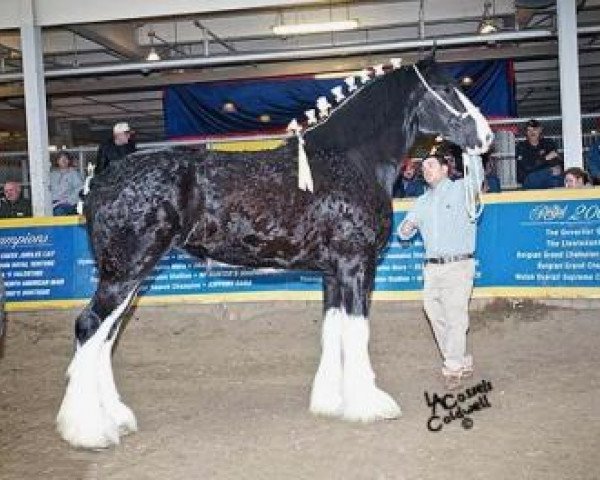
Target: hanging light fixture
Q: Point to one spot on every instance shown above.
(487, 24)
(153, 55)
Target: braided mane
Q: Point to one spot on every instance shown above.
(363, 114)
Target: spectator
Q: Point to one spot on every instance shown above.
(13, 205)
(576, 177)
(538, 162)
(410, 182)
(593, 161)
(65, 183)
(491, 182)
(453, 154)
(119, 146)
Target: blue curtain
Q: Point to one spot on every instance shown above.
(258, 106)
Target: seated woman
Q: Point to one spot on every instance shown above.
(410, 182)
(65, 183)
(576, 177)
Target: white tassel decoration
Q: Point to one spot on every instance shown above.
(294, 127)
(365, 76)
(396, 63)
(351, 82)
(338, 94)
(323, 105)
(311, 116)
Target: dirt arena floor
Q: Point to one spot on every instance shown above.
(221, 392)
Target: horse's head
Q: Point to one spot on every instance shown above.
(444, 110)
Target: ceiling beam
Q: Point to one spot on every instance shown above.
(72, 12)
(118, 38)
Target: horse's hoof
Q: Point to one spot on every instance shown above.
(371, 405)
(327, 406)
(92, 437)
(124, 418)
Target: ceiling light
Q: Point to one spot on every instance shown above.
(304, 28)
(153, 55)
(466, 81)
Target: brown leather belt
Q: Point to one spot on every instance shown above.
(448, 259)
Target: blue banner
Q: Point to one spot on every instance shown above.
(526, 247)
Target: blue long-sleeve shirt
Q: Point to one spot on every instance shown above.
(441, 217)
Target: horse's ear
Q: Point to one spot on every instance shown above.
(427, 62)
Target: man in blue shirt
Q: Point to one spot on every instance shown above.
(441, 215)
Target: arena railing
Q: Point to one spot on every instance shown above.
(508, 132)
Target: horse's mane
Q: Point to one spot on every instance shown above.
(365, 113)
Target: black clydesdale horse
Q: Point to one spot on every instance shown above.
(247, 209)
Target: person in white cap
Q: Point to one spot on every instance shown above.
(119, 146)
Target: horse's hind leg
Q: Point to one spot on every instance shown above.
(362, 400)
(92, 414)
(326, 395)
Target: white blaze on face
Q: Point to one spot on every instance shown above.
(484, 132)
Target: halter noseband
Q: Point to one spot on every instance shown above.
(450, 108)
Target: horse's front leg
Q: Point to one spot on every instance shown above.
(362, 400)
(91, 414)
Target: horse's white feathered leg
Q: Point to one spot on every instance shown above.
(363, 401)
(119, 413)
(326, 395)
(83, 419)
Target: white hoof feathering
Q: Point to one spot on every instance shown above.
(91, 414)
(326, 396)
(363, 401)
(119, 413)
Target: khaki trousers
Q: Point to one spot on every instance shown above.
(446, 295)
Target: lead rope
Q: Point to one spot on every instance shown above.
(473, 199)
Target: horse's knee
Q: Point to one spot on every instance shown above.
(86, 325)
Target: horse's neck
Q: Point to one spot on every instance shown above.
(377, 156)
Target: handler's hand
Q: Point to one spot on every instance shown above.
(407, 228)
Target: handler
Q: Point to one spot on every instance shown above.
(448, 234)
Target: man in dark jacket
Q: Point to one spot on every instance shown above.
(538, 162)
(120, 145)
(13, 205)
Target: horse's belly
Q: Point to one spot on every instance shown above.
(253, 251)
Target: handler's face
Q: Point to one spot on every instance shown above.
(433, 171)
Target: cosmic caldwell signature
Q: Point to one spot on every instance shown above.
(455, 406)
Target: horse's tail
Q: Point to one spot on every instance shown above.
(86, 187)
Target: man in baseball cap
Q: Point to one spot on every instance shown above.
(538, 162)
(119, 146)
